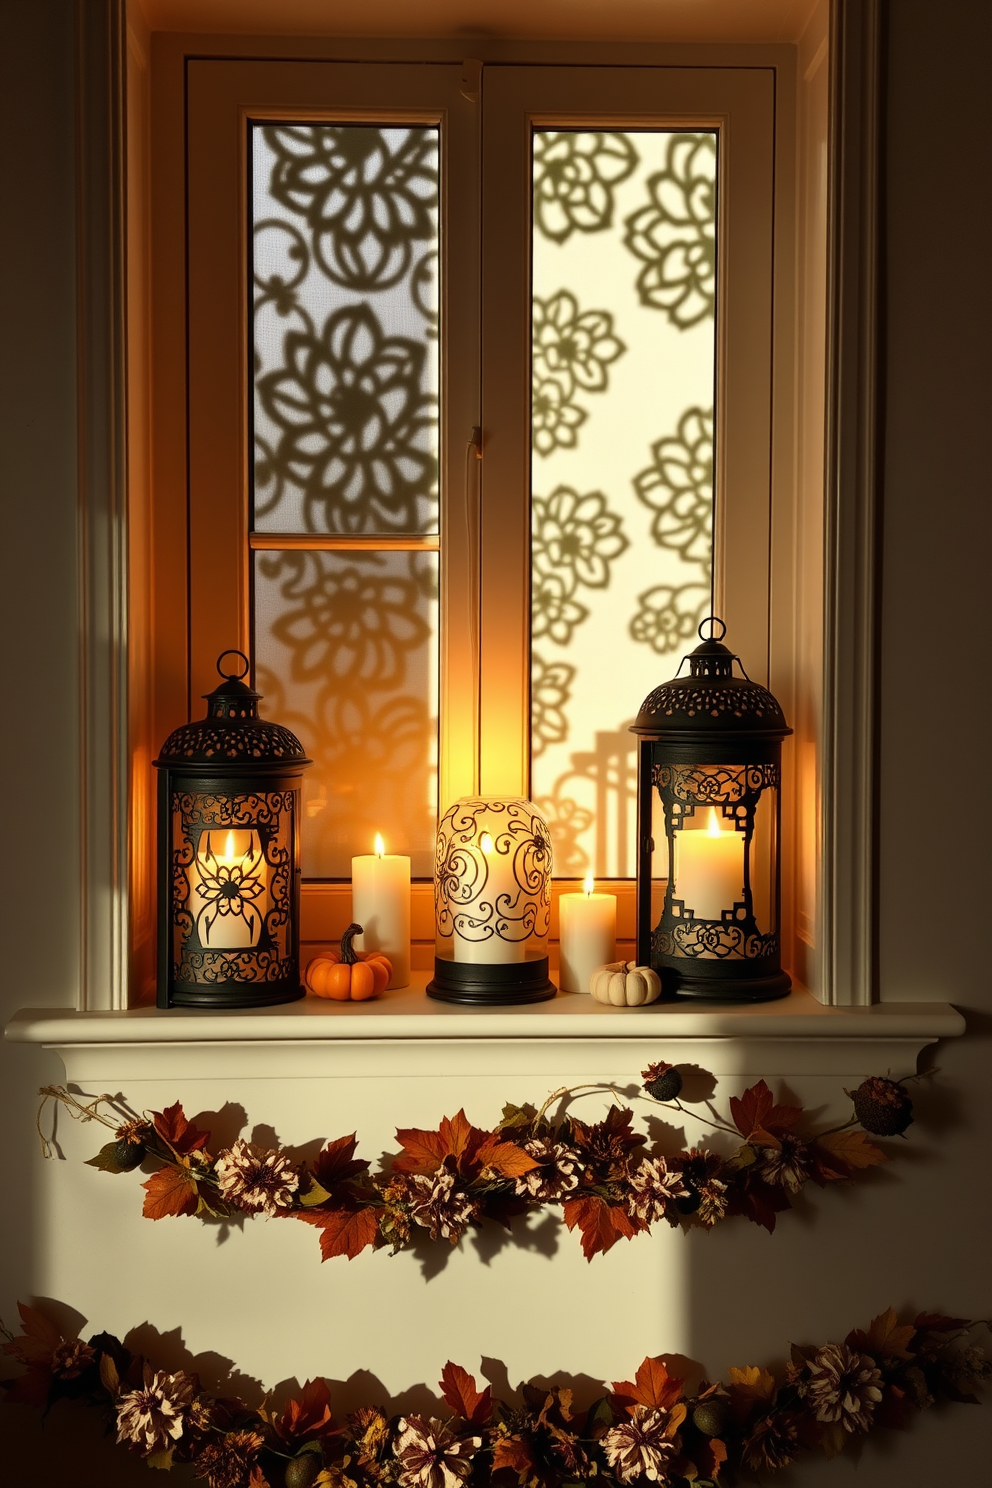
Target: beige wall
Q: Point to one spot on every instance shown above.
(918, 1236)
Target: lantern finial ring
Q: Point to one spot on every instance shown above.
(233, 676)
(711, 621)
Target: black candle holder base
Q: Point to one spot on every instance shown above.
(725, 989)
(478, 984)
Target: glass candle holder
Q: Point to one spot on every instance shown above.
(492, 903)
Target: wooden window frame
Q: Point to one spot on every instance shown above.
(132, 694)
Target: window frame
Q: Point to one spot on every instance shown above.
(128, 705)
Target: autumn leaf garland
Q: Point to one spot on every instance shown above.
(651, 1429)
(443, 1183)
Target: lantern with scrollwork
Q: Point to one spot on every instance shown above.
(229, 855)
(492, 902)
(709, 814)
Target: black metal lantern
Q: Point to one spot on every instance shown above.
(709, 815)
(229, 855)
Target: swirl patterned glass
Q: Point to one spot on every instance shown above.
(623, 374)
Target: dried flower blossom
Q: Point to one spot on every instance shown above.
(654, 1191)
(430, 1455)
(134, 1131)
(641, 1445)
(70, 1359)
(444, 1209)
(699, 1174)
(557, 1173)
(787, 1167)
(263, 1182)
(227, 1462)
(155, 1415)
(371, 1432)
(842, 1386)
(773, 1443)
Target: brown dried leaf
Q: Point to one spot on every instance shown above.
(423, 1151)
(505, 1158)
(344, 1232)
(39, 1337)
(884, 1338)
(308, 1416)
(172, 1125)
(105, 1160)
(169, 1193)
(513, 1452)
(653, 1386)
(840, 1154)
(336, 1162)
(757, 1116)
(601, 1224)
(458, 1389)
(748, 1387)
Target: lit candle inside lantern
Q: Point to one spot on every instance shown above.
(380, 902)
(588, 936)
(228, 891)
(491, 890)
(709, 874)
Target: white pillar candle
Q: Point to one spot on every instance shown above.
(228, 890)
(709, 875)
(498, 891)
(588, 936)
(380, 903)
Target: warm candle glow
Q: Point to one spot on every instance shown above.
(380, 846)
(589, 884)
(714, 828)
(486, 843)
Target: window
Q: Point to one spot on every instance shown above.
(369, 283)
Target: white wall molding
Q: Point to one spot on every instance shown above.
(406, 1035)
(102, 362)
(850, 619)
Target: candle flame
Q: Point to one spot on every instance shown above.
(589, 883)
(714, 826)
(229, 847)
(486, 843)
(380, 846)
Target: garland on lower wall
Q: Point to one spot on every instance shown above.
(446, 1181)
(649, 1430)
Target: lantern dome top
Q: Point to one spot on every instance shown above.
(711, 699)
(231, 732)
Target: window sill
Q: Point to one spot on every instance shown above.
(404, 1033)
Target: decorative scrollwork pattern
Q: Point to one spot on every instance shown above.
(493, 872)
(712, 941)
(575, 176)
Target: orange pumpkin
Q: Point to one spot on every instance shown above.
(346, 975)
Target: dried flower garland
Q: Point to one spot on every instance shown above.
(649, 1430)
(446, 1181)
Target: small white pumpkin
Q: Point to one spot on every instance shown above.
(623, 984)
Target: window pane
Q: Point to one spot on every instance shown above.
(622, 461)
(345, 254)
(347, 657)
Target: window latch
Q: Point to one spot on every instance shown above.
(471, 80)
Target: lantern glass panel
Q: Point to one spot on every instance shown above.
(492, 883)
(232, 877)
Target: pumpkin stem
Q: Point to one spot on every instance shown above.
(348, 953)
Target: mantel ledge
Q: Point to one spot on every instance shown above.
(406, 1034)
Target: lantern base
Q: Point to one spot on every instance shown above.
(233, 995)
(724, 989)
(491, 985)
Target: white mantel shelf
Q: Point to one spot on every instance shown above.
(405, 1033)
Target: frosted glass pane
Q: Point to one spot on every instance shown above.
(346, 655)
(622, 461)
(344, 268)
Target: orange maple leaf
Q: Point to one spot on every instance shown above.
(506, 1158)
(169, 1193)
(172, 1125)
(513, 1452)
(885, 1337)
(839, 1154)
(459, 1390)
(758, 1118)
(601, 1224)
(344, 1232)
(308, 1416)
(653, 1386)
(337, 1162)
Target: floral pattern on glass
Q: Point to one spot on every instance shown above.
(622, 439)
